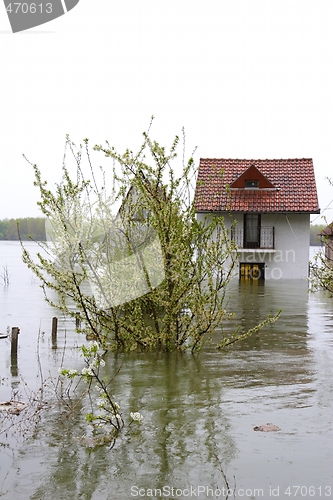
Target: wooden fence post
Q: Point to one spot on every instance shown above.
(15, 332)
(54, 330)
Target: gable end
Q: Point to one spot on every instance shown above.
(252, 178)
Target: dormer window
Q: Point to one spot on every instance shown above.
(252, 178)
(251, 184)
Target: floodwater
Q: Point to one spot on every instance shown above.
(199, 412)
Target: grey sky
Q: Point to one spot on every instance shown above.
(247, 79)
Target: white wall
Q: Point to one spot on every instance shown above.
(290, 260)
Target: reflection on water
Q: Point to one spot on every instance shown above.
(199, 412)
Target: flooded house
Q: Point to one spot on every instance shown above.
(266, 205)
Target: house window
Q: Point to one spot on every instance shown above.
(251, 184)
(252, 224)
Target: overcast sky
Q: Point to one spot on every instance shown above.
(246, 78)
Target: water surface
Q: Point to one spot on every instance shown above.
(199, 412)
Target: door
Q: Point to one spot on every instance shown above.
(252, 230)
(254, 271)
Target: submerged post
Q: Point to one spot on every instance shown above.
(77, 321)
(54, 329)
(15, 332)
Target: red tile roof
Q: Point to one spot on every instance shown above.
(293, 181)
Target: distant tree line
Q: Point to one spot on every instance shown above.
(29, 228)
(314, 232)
(34, 228)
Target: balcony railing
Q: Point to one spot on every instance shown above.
(262, 239)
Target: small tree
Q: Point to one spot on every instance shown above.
(146, 274)
(322, 267)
